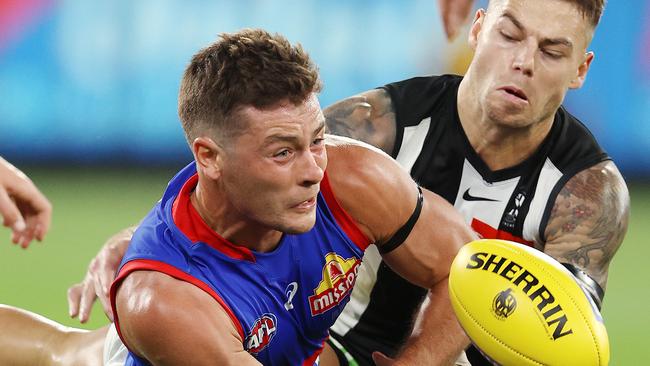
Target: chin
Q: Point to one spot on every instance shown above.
(509, 120)
(298, 226)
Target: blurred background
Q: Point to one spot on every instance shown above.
(88, 110)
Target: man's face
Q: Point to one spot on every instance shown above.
(528, 54)
(272, 171)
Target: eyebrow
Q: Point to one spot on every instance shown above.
(320, 128)
(514, 20)
(546, 41)
(292, 138)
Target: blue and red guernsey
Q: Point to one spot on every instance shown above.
(282, 302)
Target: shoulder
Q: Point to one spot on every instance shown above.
(574, 146)
(589, 219)
(370, 186)
(156, 310)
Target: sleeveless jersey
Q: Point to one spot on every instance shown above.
(282, 302)
(512, 204)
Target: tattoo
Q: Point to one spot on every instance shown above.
(589, 220)
(368, 117)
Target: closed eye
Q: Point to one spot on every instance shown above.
(551, 54)
(507, 37)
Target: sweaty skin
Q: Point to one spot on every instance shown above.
(369, 185)
(35, 340)
(522, 68)
(590, 215)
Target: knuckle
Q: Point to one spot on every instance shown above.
(94, 263)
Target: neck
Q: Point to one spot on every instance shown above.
(222, 217)
(500, 146)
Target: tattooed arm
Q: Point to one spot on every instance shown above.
(589, 220)
(368, 117)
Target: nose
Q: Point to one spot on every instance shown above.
(524, 60)
(312, 168)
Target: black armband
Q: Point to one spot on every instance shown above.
(403, 232)
(588, 284)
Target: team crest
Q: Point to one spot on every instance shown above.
(339, 275)
(504, 304)
(261, 333)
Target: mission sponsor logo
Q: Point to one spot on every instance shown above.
(339, 275)
(261, 334)
(556, 321)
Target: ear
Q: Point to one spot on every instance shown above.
(477, 24)
(582, 71)
(209, 156)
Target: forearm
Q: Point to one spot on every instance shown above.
(437, 337)
(30, 339)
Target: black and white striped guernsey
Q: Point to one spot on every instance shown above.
(512, 203)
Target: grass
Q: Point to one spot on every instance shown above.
(89, 206)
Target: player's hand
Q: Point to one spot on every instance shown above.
(454, 13)
(24, 209)
(100, 275)
(381, 359)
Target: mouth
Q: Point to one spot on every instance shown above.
(515, 92)
(306, 204)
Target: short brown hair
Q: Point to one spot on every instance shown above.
(249, 67)
(590, 9)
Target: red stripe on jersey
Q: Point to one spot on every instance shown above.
(312, 359)
(488, 232)
(152, 265)
(345, 221)
(190, 223)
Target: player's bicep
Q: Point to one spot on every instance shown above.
(368, 117)
(171, 322)
(589, 220)
(425, 256)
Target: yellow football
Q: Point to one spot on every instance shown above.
(521, 307)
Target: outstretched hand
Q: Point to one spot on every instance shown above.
(454, 14)
(24, 209)
(97, 282)
(381, 359)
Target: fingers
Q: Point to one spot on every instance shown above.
(86, 301)
(42, 219)
(24, 208)
(12, 218)
(454, 14)
(81, 297)
(102, 284)
(29, 233)
(74, 297)
(37, 211)
(381, 359)
(99, 277)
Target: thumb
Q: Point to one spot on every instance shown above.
(381, 359)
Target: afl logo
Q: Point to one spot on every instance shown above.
(504, 304)
(261, 333)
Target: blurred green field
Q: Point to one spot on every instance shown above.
(90, 205)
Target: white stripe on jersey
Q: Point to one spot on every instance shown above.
(412, 143)
(548, 178)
